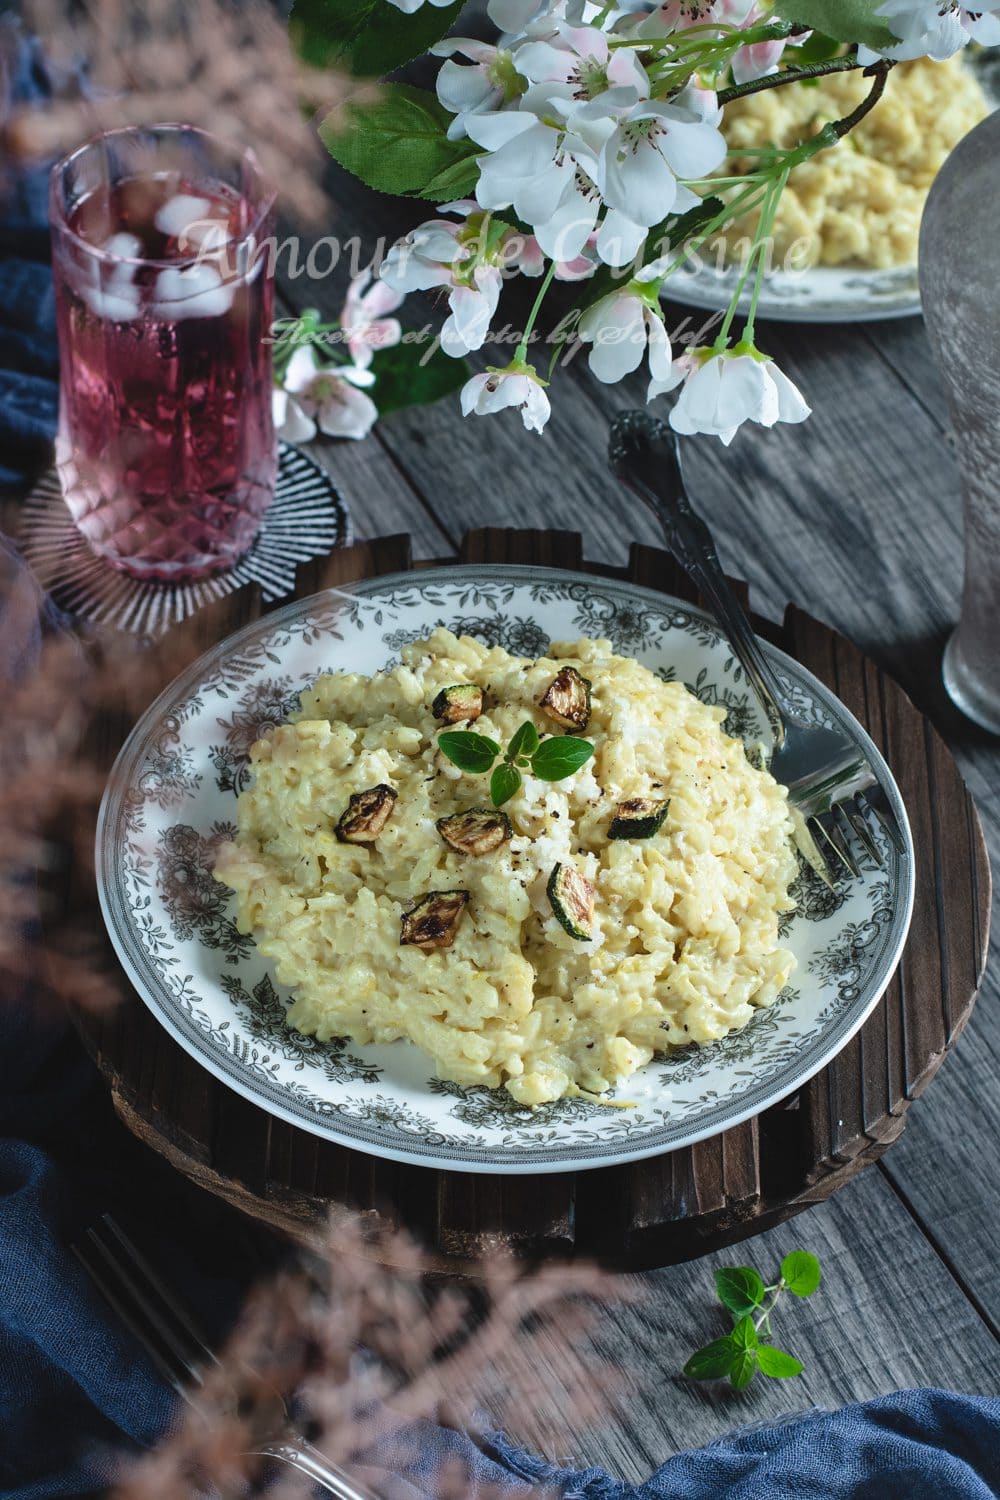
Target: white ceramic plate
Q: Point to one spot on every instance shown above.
(821, 294)
(171, 797)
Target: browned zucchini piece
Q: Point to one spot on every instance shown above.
(459, 704)
(567, 699)
(478, 831)
(571, 897)
(638, 818)
(432, 922)
(366, 815)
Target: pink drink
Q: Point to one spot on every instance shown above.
(166, 445)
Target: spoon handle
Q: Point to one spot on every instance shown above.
(645, 456)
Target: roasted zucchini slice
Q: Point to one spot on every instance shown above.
(638, 818)
(458, 704)
(567, 699)
(366, 815)
(478, 831)
(432, 922)
(571, 897)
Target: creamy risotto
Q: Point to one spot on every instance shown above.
(861, 200)
(552, 947)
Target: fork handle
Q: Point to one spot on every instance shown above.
(645, 455)
(307, 1460)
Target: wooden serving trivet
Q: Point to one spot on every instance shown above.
(645, 1213)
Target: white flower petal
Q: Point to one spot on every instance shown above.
(564, 235)
(347, 413)
(619, 238)
(290, 421)
(460, 88)
(792, 405)
(660, 353)
(616, 329)
(496, 130)
(638, 181)
(301, 369)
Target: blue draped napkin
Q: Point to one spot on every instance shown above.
(75, 1390)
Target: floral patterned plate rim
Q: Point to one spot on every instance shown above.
(171, 797)
(818, 294)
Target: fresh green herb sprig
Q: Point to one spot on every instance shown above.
(743, 1352)
(549, 759)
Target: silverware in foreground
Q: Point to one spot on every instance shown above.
(830, 781)
(168, 1334)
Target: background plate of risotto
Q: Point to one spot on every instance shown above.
(845, 237)
(692, 972)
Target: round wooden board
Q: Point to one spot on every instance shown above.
(646, 1213)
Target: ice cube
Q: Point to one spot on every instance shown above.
(123, 246)
(110, 289)
(180, 211)
(196, 291)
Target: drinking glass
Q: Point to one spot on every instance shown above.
(959, 234)
(166, 446)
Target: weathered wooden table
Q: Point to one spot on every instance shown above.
(856, 516)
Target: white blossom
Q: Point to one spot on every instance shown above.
(577, 62)
(720, 390)
(442, 254)
(362, 319)
(620, 328)
(935, 28)
(409, 6)
(329, 398)
(517, 386)
(472, 89)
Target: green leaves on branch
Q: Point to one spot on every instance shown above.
(549, 760)
(414, 374)
(368, 38)
(397, 143)
(742, 1353)
(843, 20)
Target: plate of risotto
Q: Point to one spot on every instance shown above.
(846, 232)
(482, 868)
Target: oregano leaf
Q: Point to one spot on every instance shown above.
(743, 1368)
(711, 1363)
(524, 741)
(801, 1274)
(776, 1363)
(470, 752)
(740, 1288)
(560, 756)
(744, 1335)
(504, 782)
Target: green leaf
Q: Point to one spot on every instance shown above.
(368, 37)
(396, 142)
(455, 181)
(815, 48)
(711, 1363)
(801, 1273)
(470, 752)
(776, 1363)
(744, 1335)
(844, 20)
(523, 742)
(740, 1288)
(560, 756)
(414, 375)
(743, 1369)
(504, 782)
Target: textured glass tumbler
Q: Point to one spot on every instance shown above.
(166, 446)
(959, 263)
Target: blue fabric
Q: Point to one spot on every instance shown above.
(75, 1391)
(28, 361)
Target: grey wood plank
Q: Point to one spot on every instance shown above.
(855, 515)
(866, 1332)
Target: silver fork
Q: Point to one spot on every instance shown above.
(830, 781)
(168, 1333)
